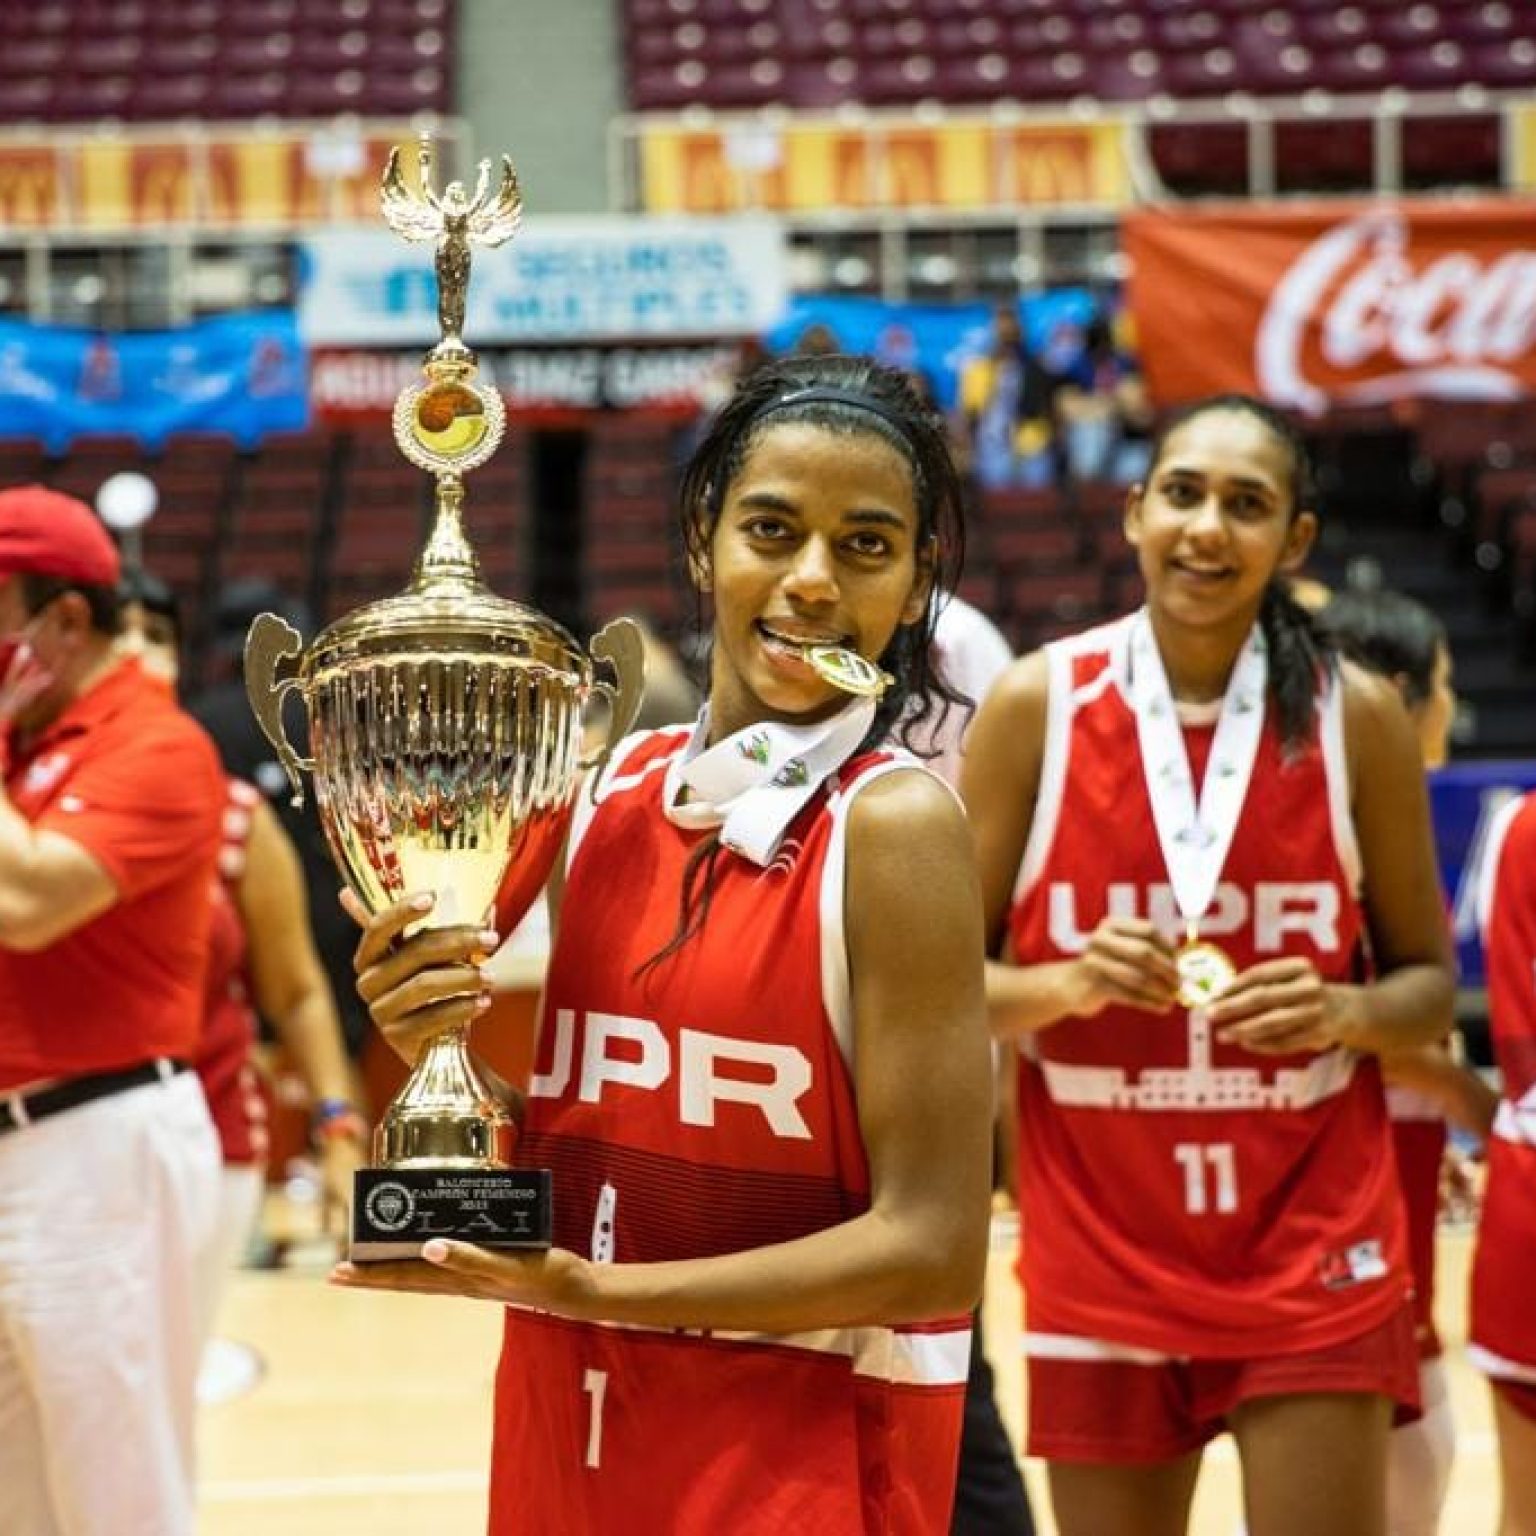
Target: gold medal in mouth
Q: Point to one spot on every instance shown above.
(847, 670)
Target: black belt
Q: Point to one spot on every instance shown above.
(20, 1109)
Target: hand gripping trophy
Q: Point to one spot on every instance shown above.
(445, 739)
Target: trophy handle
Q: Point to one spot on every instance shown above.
(619, 644)
(272, 641)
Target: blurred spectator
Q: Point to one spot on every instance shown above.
(896, 346)
(1005, 410)
(817, 340)
(109, 1166)
(1102, 411)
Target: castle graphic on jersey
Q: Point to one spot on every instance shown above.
(1200, 1084)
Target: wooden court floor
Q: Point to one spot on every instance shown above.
(371, 1413)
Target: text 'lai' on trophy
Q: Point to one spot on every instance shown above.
(445, 737)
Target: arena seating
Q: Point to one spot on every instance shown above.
(728, 53)
(815, 54)
(74, 61)
(631, 558)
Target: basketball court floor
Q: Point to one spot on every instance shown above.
(347, 1413)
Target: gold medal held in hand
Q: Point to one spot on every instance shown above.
(848, 670)
(1205, 971)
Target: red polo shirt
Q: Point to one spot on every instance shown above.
(129, 776)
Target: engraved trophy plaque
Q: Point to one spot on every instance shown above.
(445, 744)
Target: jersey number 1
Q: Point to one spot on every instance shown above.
(595, 1385)
(1210, 1176)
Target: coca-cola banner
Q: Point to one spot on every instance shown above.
(1346, 304)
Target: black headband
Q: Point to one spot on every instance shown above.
(830, 394)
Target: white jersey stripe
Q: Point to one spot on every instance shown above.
(1072, 1346)
(1516, 1122)
(1499, 1367)
(937, 1357)
(1330, 731)
(836, 987)
(1492, 850)
(1061, 704)
(608, 782)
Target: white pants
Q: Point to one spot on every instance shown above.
(105, 1212)
(240, 1190)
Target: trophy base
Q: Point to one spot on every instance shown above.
(396, 1210)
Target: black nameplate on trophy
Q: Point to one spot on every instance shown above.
(396, 1210)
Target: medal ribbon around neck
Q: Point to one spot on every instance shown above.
(1195, 838)
(754, 783)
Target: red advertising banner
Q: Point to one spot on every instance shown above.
(1319, 304)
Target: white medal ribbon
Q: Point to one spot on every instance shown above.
(1195, 837)
(754, 783)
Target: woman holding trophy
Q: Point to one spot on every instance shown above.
(762, 1080)
(1207, 866)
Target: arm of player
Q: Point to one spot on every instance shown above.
(925, 1109)
(1283, 1005)
(49, 884)
(293, 993)
(1461, 1095)
(286, 974)
(1126, 960)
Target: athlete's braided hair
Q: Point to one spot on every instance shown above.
(1300, 652)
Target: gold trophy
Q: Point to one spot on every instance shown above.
(445, 729)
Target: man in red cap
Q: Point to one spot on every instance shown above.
(109, 832)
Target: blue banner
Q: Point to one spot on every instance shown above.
(1464, 798)
(241, 374)
(935, 340)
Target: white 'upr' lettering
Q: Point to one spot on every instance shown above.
(710, 1070)
(1279, 909)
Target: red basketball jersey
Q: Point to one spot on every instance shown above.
(1179, 1194)
(1503, 1321)
(223, 1058)
(704, 1106)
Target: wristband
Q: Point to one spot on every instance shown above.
(335, 1119)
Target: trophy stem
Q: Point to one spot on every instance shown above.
(446, 1115)
(448, 556)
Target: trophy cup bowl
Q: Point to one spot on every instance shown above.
(445, 736)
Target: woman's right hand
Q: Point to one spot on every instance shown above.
(1129, 962)
(419, 987)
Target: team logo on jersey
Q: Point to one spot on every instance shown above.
(390, 1207)
(1354, 1265)
(755, 748)
(793, 775)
